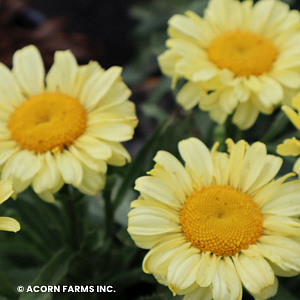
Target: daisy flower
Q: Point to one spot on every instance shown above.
(291, 147)
(64, 127)
(7, 223)
(239, 59)
(219, 222)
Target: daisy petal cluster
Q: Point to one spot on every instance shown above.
(291, 147)
(7, 223)
(239, 59)
(64, 126)
(218, 222)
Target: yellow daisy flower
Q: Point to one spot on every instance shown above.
(7, 223)
(239, 58)
(64, 127)
(219, 222)
(291, 147)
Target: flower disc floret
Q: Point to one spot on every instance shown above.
(221, 220)
(243, 52)
(49, 121)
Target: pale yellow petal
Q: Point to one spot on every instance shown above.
(120, 155)
(22, 165)
(9, 224)
(292, 115)
(186, 48)
(266, 14)
(252, 165)
(47, 196)
(271, 92)
(158, 259)
(94, 147)
(6, 190)
(69, 167)
(98, 85)
(171, 164)
(182, 269)
(296, 102)
(281, 225)
(115, 97)
(267, 293)
(198, 160)
(62, 75)
(288, 78)
(218, 115)
(256, 274)
(167, 62)
(86, 159)
(28, 68)
(125, 109)
(242, 91)
(271, 166)
(160, 190)
(84, 73)
(296, 167)
(290, 147)
(92, 182)
(226, 283)
(283, 271)
(148, 241)
(152, 221)
(186, 25)
(199, 293)
(234, 167)
(287, 249)
(267, 193)
(189, 95)
(19, 185)
(10, 90)
(168, 180)
(254, 84)
(115, 132)
(207, 268)
(286, 202)
(48, 177)
(228, 100)
(245, 115)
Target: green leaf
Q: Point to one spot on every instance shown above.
(6, 289)
(283, 293)
(125, 238)
(50, 275)
(277, 127)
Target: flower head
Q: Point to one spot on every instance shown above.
(64, 127)
(7, 223)
(239, 58)
(218, 222)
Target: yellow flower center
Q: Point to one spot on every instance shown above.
(48, 122)
(243, 52)
(221, 220)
